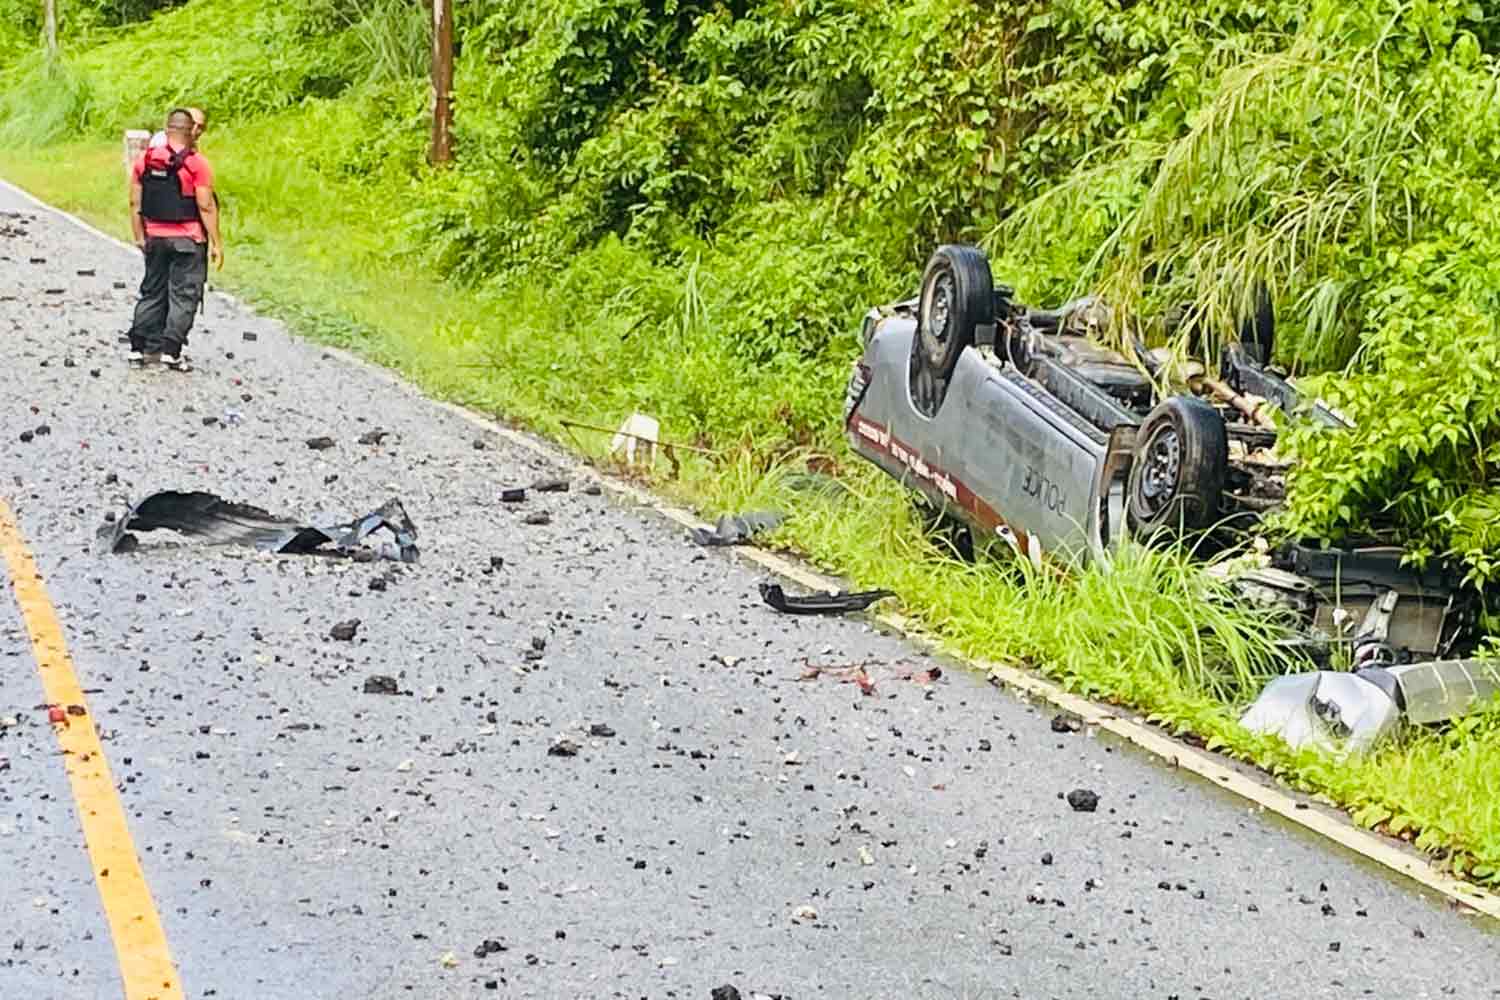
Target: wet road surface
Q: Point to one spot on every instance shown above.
(722, 823)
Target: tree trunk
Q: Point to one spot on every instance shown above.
(49, 20)
(442, 82)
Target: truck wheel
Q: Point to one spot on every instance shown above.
(957, 295)
(1177, 474)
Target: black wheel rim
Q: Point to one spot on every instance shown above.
(1161, 460)
(940, 306)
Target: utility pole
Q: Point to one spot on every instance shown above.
(442, 82)
(49, 20)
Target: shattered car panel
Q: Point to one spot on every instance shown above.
(216, 521)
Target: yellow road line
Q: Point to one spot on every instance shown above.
(140, 944)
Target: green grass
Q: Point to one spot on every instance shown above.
(315, 219)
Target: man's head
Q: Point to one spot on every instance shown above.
(200, 123)
(180, 126)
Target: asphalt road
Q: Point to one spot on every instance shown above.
(792, 838)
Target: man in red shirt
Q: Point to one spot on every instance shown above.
(175, 219)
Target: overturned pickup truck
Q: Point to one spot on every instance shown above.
(1021, 425)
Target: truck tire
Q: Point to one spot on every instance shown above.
(957, 295)
(1177, 474)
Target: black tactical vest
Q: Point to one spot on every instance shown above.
(162, 199)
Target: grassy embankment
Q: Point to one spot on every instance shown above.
(615, 330)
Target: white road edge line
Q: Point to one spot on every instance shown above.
(1302, 810)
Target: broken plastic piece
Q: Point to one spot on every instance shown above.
(1439, 690)
(216, 521)
(636, 430)
(736, 529)
(1328, 710)
(820, 604)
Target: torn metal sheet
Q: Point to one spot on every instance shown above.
(820, 604)
(737, 529)
(216, 521)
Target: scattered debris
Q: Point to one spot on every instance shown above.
(217, 521)
(27, 437)
(449, 960)
(737, 529)
(344, 631)
(1082, 800)
(249, 336)
(563, 748)
(550, 486)
(820, 604)
(865, 857)
(537, 517)
(804, 913)
(479, 444)
(320, 443)
(488, 947)
(601, 730)
(515, 494)
(593, 490)
(497, 563)
(381, 684)
(1064, 723)
(927, 676)
(637, 429)
(374, 436)
(56, 715)
(855, 673)
(725, 992)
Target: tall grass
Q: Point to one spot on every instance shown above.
(392, 36)
(44, 99)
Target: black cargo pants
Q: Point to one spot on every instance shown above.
(176, 269)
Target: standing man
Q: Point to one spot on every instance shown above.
(175, 219)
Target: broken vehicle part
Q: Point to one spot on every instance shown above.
(820, 604)
(216, 521)
(736, 529)
(1354, 711)
(1440, 690)
(1325, 709)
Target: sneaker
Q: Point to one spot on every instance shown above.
(177, 362)
(135, 359)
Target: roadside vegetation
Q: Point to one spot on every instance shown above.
(684, 208)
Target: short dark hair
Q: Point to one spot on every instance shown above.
(180, 118)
